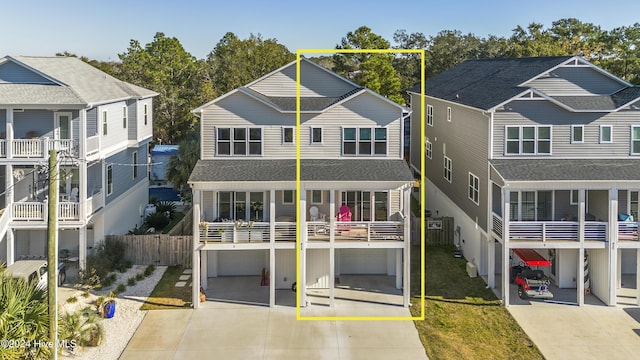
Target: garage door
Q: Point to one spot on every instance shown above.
(363, 261)
(242, 262)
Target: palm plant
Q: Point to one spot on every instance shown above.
(81, 328)
(24, 316)
(181, 165)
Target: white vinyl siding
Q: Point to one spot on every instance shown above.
(606, 134)
(572, 81)
(447, 169)
(577, 134)
(474, 189)
(527, 140)
(430, 115)
(114, 135)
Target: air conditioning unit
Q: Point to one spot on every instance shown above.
(472, 270)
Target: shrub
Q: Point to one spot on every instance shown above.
(157, 220)
(72, 300)
(166, 207)
(86, 294)
(81, 327)
(124, 266)
(139, 276)
(131, 281)
(149, 270)
(120, 288)
(109, 280)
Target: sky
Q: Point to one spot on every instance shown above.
(102, 30)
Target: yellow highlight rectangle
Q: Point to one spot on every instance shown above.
(422, 182)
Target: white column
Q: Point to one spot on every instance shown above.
(82, 247)
(204, 271)
(8, 177)
(195, 265)
(9, 133)
(580, 285)
(332, 249)
(491, 262)
(332, 215)
(11, 249)
(638, 276)
(613, 245)
(82, 166)
(406, 263)
(272, 216)
(303, 247)
(399, 269)
(272, 276)
(406, 291)
(506, 197)
(581, 214)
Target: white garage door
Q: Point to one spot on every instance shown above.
(242, 262)
(363, 261)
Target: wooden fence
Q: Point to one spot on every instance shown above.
(156, 249)
(184, 226)
(438, 231)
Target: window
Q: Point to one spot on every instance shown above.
(316, 135)
(474, 189)
(528, 140)
(573, 199)
(316, 196)
(449, 113)
(134, 161)
(429, 115)
(288, 136)
(429, 149)
(288, 197)
(447, 169)
(109, 179)
(635, 140)
(145, 114)
(104, 123)
(124, 117)
(239, 141)
(364, 141)
(605, 134)
(577, 134)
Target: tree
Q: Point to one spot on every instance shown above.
(181, 165)
(165, 67)
(372, 70)
(408, 64)
(234, 62)
(623, 50)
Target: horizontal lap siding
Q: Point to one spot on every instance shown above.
(541, 112)
(92, 122)
(575, 81)
(313, 82)
(116, 134)
(13, 73)
(416, 123)
(145, 131)
(123, 173)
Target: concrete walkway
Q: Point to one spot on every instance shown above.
(256, 332)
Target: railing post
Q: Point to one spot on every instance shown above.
(45, 214)
(45, 146)
(544, 231)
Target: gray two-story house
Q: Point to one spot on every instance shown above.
(536, 153)
(100, 128)
(353, 211)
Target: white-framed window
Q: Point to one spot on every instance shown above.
(577, 134)
(449, 113)
(288, 197)
(474, 189)
(447, 169)
(316, 197)
(124, 117)
(104, 122)
(430, 115)
(606, 134)
(364, 141)
(288, 135)
(134, 162)
(146, 114)
(428, 149)
(574, 197)
(109, 180)
(316, 135)
(527, 140)
(239, 141)
(635, 140)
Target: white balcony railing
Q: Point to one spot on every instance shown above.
(285, 231)
(595, 230)
(68, 211)
(64, 145)
(3, 148)
(628, 231)
(235, 232)
(28, 211)
(27, 148)
(95, 203)
(356, 231)
(543, 230)
(93, 144)
(497, 224)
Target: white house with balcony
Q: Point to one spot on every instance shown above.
(537, 153)
(354, 192)
(100, 127)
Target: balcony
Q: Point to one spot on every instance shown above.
(236, 232)
(628, 231)
(356, 231)
(551, 230)
(37, 211)
(36, 148)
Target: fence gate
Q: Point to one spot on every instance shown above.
(157, 249)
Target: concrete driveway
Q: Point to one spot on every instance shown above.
(237, 331)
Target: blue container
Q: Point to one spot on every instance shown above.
(109, 309)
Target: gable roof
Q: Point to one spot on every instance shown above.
(484, 84)
(574, 170)
(88, 84)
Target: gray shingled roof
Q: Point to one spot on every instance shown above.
(288, 103)
(603, 102)
(310, 170)
(35, 94)
(568, 169)
(89, 84)
(484, 84)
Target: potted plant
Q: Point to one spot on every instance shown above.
(257, 206)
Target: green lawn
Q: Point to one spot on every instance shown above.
(463, 319)
(166, 295)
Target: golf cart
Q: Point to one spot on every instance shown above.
(36, 271)
(531, 283)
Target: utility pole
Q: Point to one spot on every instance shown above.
(52, 253)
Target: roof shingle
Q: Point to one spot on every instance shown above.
(575, 170)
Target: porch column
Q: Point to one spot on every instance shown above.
(581, 215)
(506, 197)
(332, 249)
(580, 284)
(406, 264)
(11, 249)
(272, 216)
(195, 262)
(302, 231)
(82, 167)
(204, 272)
(82, 247)
(399, 269)
(491, 262)
(9, 133)
(272, 276)
(638, 276)
(613, 245)
(8, 177)
(332, 215)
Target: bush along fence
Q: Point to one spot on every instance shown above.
(156, 249)
(438, 231)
